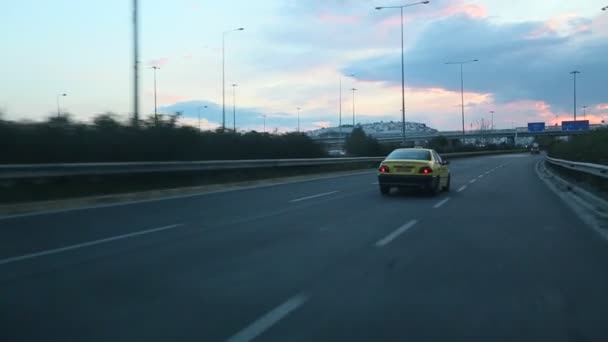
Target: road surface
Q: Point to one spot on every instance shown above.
(500, 258)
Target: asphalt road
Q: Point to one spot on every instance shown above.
(500, 258)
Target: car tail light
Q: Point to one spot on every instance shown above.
(426, 170)
(383, 169)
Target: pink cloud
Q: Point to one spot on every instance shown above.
(471, 10)
(164, 98)
(602, 106)
(332, 18)
(323, 124)
(158, 62)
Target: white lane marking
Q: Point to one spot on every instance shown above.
(462, 188)
(472, 180)
(488, 172)
(85, 244)
(313, 196)
(392, 236)
(480, 176)
(440, 203)
(184, 196)
(265, 322)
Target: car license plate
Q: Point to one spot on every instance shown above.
(403, 168)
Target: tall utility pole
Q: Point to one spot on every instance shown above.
(234, 107)
(135, 64)
(58, 106)
(462, 89)
(298, 119)
(224, 75)
(199, 116)
(155, 107)
(584, 112)
(402, 62)
(340, 105)
(354, 89)
(574, 74)
(492, 122)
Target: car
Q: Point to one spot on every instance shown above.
(417, 168)
(534, 149)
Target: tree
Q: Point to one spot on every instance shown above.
(359, 144)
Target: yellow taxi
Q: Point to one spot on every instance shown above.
(418, 168)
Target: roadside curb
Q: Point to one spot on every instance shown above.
(592, 209)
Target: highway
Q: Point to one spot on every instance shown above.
(499, 258)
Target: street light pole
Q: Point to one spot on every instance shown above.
(340, 115)
(58, 106)
(574, 73)
(135, 64)
(492, 122)
(199, 117)
(354, 89)
(298, 119)
(155, 108)
(264, 115)
(462, 89)
(584, 112)
(234, 107)
(224, 75)
(402, 63)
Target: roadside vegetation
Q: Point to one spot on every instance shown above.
(107, 139)
(591, 147)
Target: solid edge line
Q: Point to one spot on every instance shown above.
(473, 181)
(168, 198)
(313, 196)
(441, 203)
(85, 244)
(392, 236)
(265, 322)
(462, 188)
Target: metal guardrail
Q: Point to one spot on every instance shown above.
(24, 171)
(593, 169)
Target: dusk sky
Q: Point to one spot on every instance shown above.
(292, 54)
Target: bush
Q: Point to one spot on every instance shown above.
(591, 147)
(61, 140)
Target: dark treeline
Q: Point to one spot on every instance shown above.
(106, 139)
(591, 147)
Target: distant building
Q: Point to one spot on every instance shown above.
(375, 129)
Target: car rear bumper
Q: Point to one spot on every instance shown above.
(407, 181)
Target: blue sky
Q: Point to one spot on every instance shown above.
(292, 54)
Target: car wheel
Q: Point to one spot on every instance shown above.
(446, 188)
(385, 189)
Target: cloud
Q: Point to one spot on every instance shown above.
(512, 66)
(158, 62)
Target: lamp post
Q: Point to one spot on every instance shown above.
(264, 116)
(340, 115)
(402, 62)
(58, 106)
(199, 116)
(462, 88)
(584, 112)
(135, 63)
(574, 74)
(354, 89)
(224, 75)
(492, 119)
(298, 119)
(234, 85)
(155, 108)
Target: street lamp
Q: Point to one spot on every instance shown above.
(462, 88)
(234, 85)
(59, 107)
(298, 119)
(264, 116)
(574, 74)
(402, 61)
(199, 116)
(135, 62)
(354, 89)
(584, 112)
(340, 116)
(224, 75)
(155, 108)
(492, 122)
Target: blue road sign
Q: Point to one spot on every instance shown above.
(536, 126)
(578, 125)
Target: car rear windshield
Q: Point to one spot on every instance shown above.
(410, 155)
